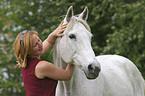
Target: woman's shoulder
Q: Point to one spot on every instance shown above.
(44, 65)
(42, 68)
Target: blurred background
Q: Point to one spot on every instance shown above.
(118, 27)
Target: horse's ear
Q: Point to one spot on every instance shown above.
(84, 14)
(69, 14)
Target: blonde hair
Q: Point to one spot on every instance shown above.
(23, 46)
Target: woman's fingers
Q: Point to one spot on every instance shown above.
(60, 35)
(61, 23)
(59, 31)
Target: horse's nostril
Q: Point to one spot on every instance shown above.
(91, 68)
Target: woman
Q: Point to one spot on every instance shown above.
(39, 76)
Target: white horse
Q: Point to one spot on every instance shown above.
(106, 75)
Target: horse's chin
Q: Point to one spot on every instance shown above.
(92, 76)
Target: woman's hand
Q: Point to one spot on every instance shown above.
(59, 30)
(47, 44)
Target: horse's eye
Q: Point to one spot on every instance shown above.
(72, 36)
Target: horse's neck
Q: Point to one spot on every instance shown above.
(57, 56)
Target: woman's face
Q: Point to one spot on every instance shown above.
(37, 46)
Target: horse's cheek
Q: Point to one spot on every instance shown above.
(64, 50)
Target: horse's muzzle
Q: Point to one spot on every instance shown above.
(93, 71)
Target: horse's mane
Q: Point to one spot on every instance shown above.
(56, 53)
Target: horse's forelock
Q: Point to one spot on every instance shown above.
(84, 23)
(73, 21)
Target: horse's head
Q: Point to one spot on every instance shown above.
(75, 45)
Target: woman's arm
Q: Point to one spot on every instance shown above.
(46, 69)
(48, 43)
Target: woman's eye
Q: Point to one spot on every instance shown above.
(35, 45)
(72, 36)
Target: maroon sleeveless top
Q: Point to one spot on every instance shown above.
(35, 86)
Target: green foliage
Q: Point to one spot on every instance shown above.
(117, 26)
(128, 34)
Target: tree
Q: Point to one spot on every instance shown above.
(129, 33)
